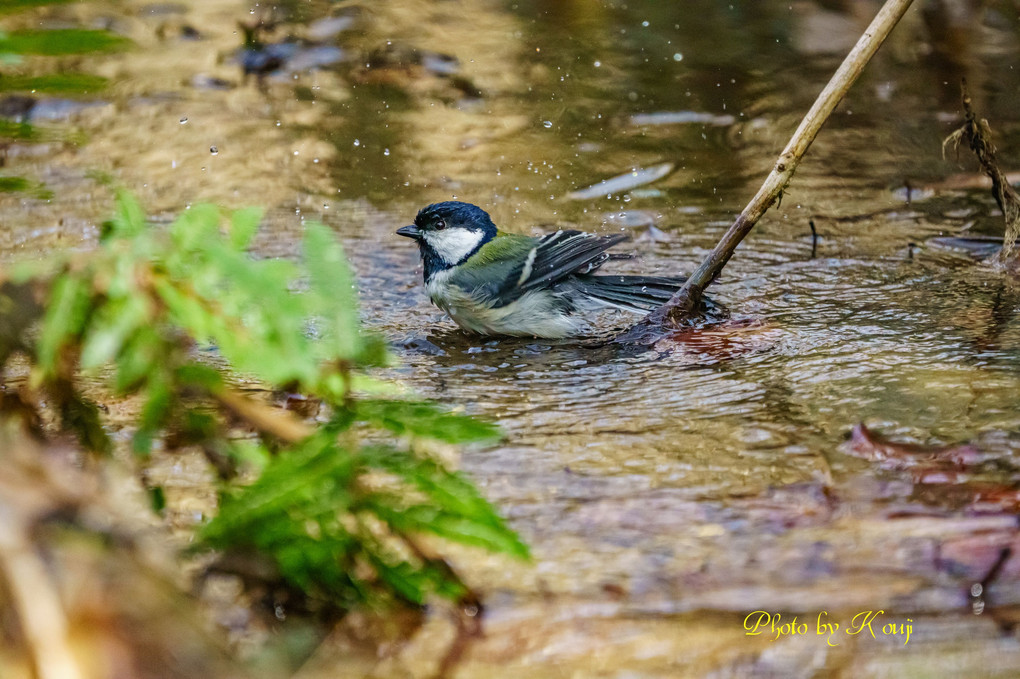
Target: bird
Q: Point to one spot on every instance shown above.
(496, 283)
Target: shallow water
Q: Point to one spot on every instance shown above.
(667, 493)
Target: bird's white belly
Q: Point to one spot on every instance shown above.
(534, 314)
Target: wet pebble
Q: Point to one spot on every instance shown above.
(420, 345)
(682, 118)
(631, 219)
(324, 29)
(654, 235)
(204, 81)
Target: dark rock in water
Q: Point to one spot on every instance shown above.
(399, 65)
(17, 107)
(60, 109)
(440, 64)
(21, 108)
(264, 59)
(420, 345)
(287, 57)
(385, 62)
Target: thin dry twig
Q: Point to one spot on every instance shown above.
(266, 419)
(683, 307)
(978, 135)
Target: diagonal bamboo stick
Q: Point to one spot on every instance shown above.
(682, 307)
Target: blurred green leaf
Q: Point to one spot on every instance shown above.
(425, 420)
(11, 184)
(111, 327)
(139, 357)
(157, 499)
(18, 5)
(154, 413)
(81, 416)
(20, 184)
(66, 311)
(63, 41)
(301, 483)
(196, 374)
(13, 130)
(243, 225)
(170, 307)
(186, 311)
(128, 217)
(459, 511)
(54, 83)
(332, 293)
(454, 527)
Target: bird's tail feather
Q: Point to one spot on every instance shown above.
(637, 293)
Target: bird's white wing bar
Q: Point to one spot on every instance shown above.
(567, 252)
(528, 263)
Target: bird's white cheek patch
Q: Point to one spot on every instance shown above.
(454, 245)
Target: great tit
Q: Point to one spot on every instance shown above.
(495, 283)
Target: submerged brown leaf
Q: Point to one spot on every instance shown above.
(867, 444)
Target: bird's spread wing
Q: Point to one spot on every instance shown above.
(537, 263)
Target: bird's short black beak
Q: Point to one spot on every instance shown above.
(411, 231)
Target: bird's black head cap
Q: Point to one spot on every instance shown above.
(436, 229)
(455, 214)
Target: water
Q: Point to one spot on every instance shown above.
(667, 493)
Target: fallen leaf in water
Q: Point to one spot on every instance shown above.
(721, 341)
(639, 176)
(867, 444)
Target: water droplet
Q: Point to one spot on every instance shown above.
(386, 152)
(315, 160)
(597, 64)
(547, 124)
(678, 57)
(184, 121)
(357, 142)
(213, 150)
(645, 24)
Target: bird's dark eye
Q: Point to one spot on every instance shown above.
(440, 224)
